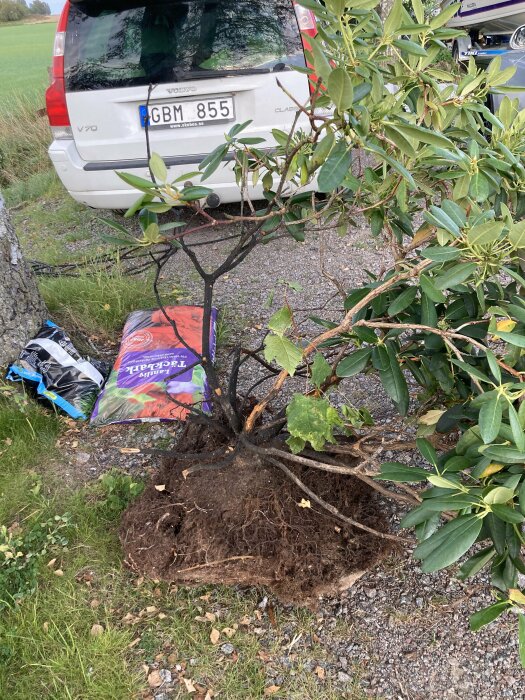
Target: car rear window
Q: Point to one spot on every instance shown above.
(166, 42)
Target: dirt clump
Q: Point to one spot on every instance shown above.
(247, 524)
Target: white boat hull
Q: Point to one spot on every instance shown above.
(489, 17)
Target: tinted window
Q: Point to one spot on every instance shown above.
(173, 41)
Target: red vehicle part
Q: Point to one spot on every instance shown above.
(308, 28)
(56, 93)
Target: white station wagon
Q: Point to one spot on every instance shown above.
(193, 68)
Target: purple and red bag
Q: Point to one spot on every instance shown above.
(155, 377)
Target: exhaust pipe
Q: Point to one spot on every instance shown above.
(213, 200)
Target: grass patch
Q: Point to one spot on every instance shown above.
(44, 184)
(25, 56)
(27, 432)
(24, 137)
(97, 302)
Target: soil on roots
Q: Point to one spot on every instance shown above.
(247, 524)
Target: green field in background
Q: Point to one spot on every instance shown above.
(25, 57)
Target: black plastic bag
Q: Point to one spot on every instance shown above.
(51, 366)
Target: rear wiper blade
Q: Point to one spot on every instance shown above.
(191, 75)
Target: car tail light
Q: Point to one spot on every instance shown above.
(56, 105)
(307, 27)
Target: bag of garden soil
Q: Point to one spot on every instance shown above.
(156, 376)
(52, 368)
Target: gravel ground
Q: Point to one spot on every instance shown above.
(405, 633)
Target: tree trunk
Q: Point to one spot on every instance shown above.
(22, 309)
(385, 7)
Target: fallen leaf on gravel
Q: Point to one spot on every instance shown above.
(160, 487)
(97, 630)
(52, 563)
(190, 688)
(129, 450)
(229, 632)
(215, 636)
(271, 689)
(58, 572)
(304, 503)
(211, 617)
(74, 443)
(154, 679)
(245, 621)
(319, 672)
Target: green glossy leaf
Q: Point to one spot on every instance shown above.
(484, 617)
(475, 563)
(517, 430)
(402, 301)
(115, 240)
(322, 150)
(429, 288)
(490, 416)
(508, 515)
(158, 167)
(427, 450)
(494, 367)
(416, 516)
(486, 233)
(354, 363)
(473, 371)
(335, 167)
(512, 338)
(212, 161)
(410, 47)
(195, 192)
(423, 135)
(455, 275)
(507, 455)
(441, 253)
(340, 89)
(449, 543)
(479, 187)
(396, 471)
(139, 183)
(517, 235)
(392, 377)
(499, 495)
(443, 483)
(321, 64)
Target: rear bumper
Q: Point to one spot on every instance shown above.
(97, 184)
